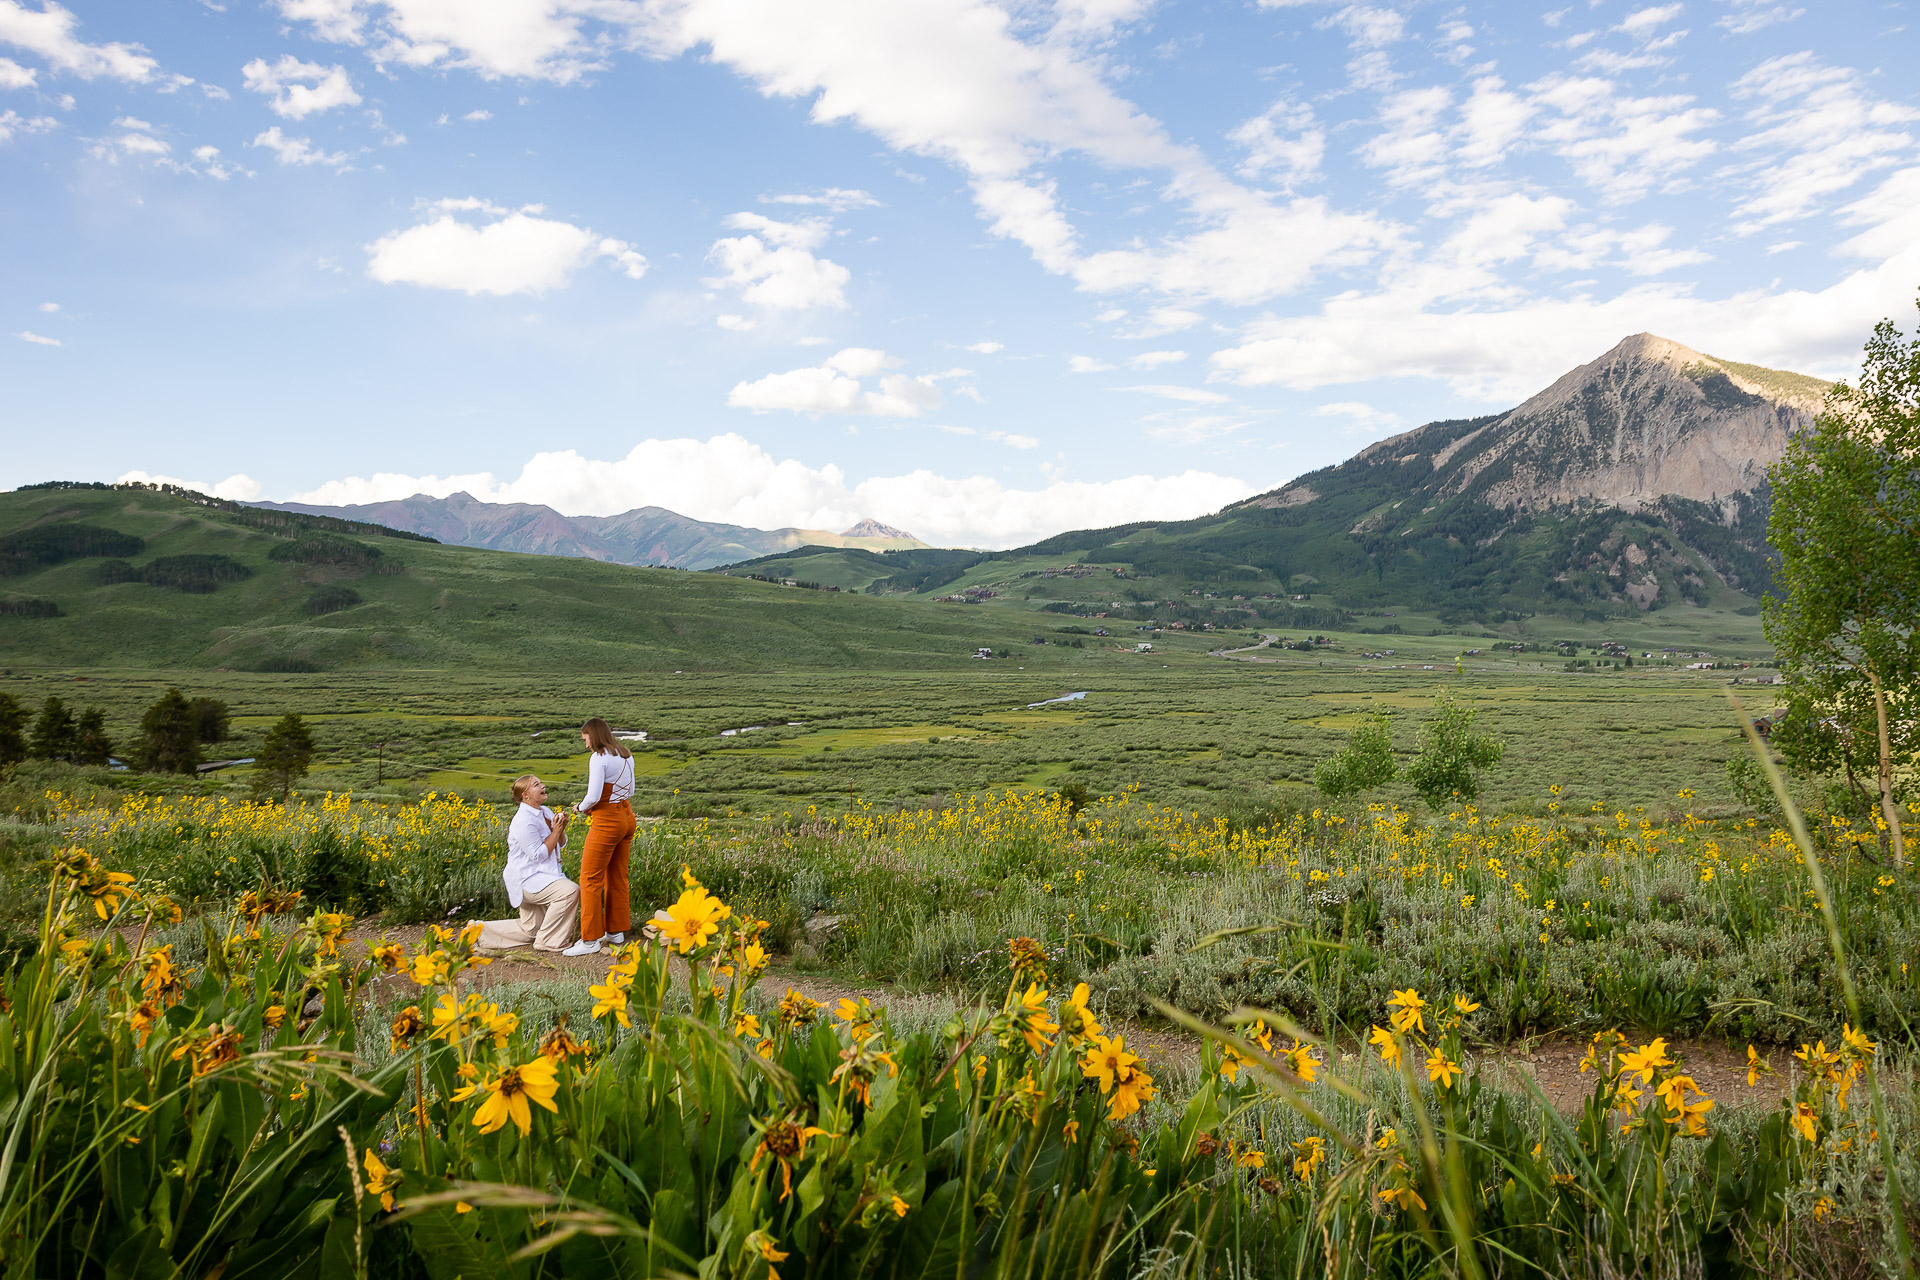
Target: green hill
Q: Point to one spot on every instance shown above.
(136, 577)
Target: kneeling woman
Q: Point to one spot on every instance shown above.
(604, 905)
(535, 882)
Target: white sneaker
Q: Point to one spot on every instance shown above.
(614, 939)
(582, 948)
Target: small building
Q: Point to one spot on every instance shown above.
(1143, 647)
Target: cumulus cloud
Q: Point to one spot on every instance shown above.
(476, 247)
(15, 76)
(773, 266)
(987, 348)
(28, 335)
(235, 488)
(1284, 144)
(1087, 364)
(556, 40)
(299, 152)
(731, 480)
(835, 386)
(295, 90)
(52, 32)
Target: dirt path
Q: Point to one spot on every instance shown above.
(1265, 640)
(1553, 1064)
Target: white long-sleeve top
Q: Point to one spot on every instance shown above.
(531, 866)
(604, 767)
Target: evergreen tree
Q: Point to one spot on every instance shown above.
(170, 735)
(13, 731)
(91, 745)
(53, 733)
(213, 719)
(1451, 756)
(1846, 522)
(284, 758)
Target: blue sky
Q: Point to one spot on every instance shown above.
(982, 272)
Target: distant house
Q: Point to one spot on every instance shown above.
(1143, 647)
(983, 653)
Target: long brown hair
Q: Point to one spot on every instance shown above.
(600, 738)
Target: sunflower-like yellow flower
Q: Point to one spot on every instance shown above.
(1308, 1155)
(1441, 1069)
(1076, 1018)
(1389, 1047)
(858, 1015)
(691, 920)
(510, 1093)
(1806, 1122)
(1757, 1066)
(391, 956)
(1108, 1062)
(407, 1026)
(1646, 1060)
(1301, 1062)
(766, 1246)
(431, 968)
(797, 1009)
(382, 1180)
(1687, 1104)
(1464, 1006)
(1406, 1006)
(785, 1140)
(1031, 1017)
(610, 998)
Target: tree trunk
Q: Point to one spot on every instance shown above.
(1888, 809)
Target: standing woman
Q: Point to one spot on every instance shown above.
(604, 905)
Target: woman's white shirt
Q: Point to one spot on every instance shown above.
(604, 767)
(531, 866)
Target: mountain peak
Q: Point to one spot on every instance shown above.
(871, 528)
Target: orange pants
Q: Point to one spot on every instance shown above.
(604, 898)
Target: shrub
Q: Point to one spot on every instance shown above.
(331, 600)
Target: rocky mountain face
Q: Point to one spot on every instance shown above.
(644, 536)
(1649, 420)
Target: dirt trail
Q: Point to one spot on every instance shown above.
(1552, 1064)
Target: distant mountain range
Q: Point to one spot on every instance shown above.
(645, 536)
(1635, 482)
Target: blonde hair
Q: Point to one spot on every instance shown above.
(600, 738)
(522, 784)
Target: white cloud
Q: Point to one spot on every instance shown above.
(1747, 16)
(28, 335)
(1503, 348)
(1161, 320)
(299, 151)
(1642, 23)
(774, 267)
(731, 480)
(987, 348)
(954, 80)
(1087, 364)
(1185, 395)
(1821, 131)
(1154, 359)
(1360, 418)
(12, 122)
(1284, 144)
(534, 39)
(512, 251)
(49, 306)
(478, 114)
(1782, 247)
(51, 32)
(834, 386)
(15, 76)
(1620, 145)
(736, 324)
(833, 199)
(235, 488)
(296, 89)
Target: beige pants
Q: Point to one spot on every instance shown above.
(547, 917)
